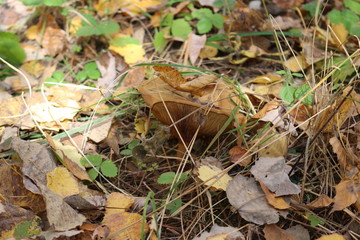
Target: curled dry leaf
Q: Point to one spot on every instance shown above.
(272, 172)
(248, 198)
(236, 153)
(320, 202)
(276, 202)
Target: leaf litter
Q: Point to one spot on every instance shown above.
(224, 120)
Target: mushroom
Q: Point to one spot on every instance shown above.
(187, 113)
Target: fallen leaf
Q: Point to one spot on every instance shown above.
(221, 233)
(61, 181)
(339, 34)
(52, 112)
(208, 52)
(207, 172)
(296, 64)
(276, 202)
(347, 193)
(284, 23)
(279, 148)
(108, 79)
(320, 202)
(37, 161)
(134, 77)
(266, 79)
(272, 172)
(12, 190)
(312, 53)
(287, 4)
(124, 225)
(274, 232)
(333, 236)
(236, 153)
(299, 232)
(130, 48)
(118, 202)
(340, 152)
(196, 43)
(104, 7)
(248, 198)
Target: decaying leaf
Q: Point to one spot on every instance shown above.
(61, 181)
(296, 64)
(276, 202)
(248, 198)
(274, 232)
(347, 193)
(221, 233)
(124, 225)
(334, 236)
(195, 45)
(118, 202)
(340, 151)
(272, 172)
(37, 161)
(208, 171)
(320, 202)
(236, 153)
(299, 232)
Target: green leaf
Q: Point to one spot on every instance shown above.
(90, 66)
(218, 21)
(311, 7)
(32, 2)
(133, 144)
(355, 30)
(287, 94)
(54, 3)
(126, 152)
(217, 38)
(94, 74)
(92, 21)
(123, 41)
(353, 5)
(93, 174)
(175, 205)
(9, 36)
(11, 51)
(298, 75)
(314, 220)
(87, 31)
(159, 41)
(95, 159)
(335, 17)
(108, 27)
(166, 178)
(28, 229)
(301, 91)
(346, 17)
(167, 21)
(204, 25)
(109, 169)
(180, 28)
(59, 76)
(224, 4)
(202, 13)
(81, 76)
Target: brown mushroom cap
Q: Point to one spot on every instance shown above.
(187, 112)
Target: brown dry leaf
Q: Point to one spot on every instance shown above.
(276, 202)
(118, 202)
(340, 152)
(208, 52)
(311, 53)
(196, 43)
(134, 77)
(207, 172)
(108, 78)
(347, 193)
(14, 14)
(18, 83)
(238, 152)
(34, 67)
(296, 64)
(267, 89)
(299, 232)
(221, 233)
(13, 112)
(333, 236)
(343, 113)
(274, 232)
(124, 225)
(12, 217)
(104, 7)
(37, 161)
(287, 4)
(12, 190)
(33, 52)
(62, 182)
(272, 172)
(284, 23)
(248, 198)
(155, 19)
(340, 34)
(320, 202)
(266, 79)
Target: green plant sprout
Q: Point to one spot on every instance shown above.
(90, 71)
(207, 20)
(56, 77)
(107, 167)
(93, 27)
(289, 93)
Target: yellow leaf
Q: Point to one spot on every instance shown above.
(296, 64)
(75, 24)
(124, 225)
(62, 182)
(32, 32)
(106, 7)
(340, 33)
(34, 67)
(334, 236)
(132, 53)
(118, 202)
(266, 79)
(207, 172)
(208, 52)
